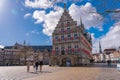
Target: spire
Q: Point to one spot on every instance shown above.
(100, 49)
(64, 6)
(80, 21)
(24, 43)
(16, 43)
(82, 26)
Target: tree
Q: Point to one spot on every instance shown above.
(25, 53)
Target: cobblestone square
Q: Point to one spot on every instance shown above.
(96, 72)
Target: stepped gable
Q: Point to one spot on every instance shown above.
(66, 19)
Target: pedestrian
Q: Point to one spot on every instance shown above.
(28, 65)
(36, 65)
(41, 64)
(109, 63)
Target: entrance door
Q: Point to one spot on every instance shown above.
(66, 62)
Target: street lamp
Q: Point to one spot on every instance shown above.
(3, 55)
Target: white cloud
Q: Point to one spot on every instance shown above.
(27, 15)
(1, 46)
(65, 1)
(33, 32)
(87, 12)
(51, 19)
(44, 4)
(39, 16)
(38, 3)
(111, 39)
(116, 15)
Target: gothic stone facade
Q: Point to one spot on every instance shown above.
(71, 43)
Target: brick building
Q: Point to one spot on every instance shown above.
(12, 55)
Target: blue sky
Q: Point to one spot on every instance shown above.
(34, 20)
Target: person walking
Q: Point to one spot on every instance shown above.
(34, 68)
(28, 66)
(108, 63)
(41, 64)
(36, 65)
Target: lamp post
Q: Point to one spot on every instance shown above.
(3, 56)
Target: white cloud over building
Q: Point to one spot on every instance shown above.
(49, 20)
(89, 15)
(84, 11)
(110, 40)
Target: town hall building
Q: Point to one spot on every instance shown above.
(72, 45)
